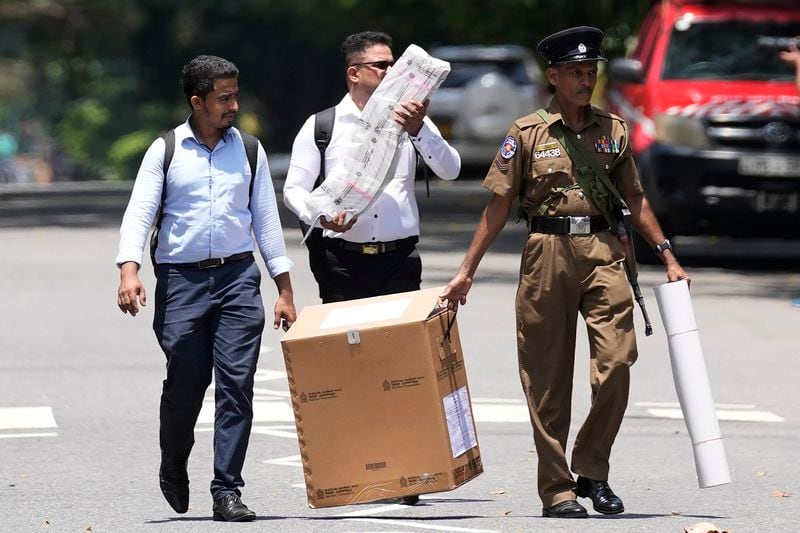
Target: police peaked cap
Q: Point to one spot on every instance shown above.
(581, 43)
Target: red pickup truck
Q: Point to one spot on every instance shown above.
(715, 116)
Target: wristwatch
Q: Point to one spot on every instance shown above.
(662, 247)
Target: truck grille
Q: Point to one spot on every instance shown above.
(780, 134)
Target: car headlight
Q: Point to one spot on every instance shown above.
(681, 131)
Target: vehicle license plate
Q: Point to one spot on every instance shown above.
(776, 202)
(770, 166)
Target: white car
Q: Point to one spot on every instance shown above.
(488, 88)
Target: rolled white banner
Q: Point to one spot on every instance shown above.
(692, 384)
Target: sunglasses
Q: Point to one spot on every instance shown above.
(380, 65)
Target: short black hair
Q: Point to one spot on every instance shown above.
(199, 74)
(358, 42)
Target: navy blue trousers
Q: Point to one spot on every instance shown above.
(209, 319)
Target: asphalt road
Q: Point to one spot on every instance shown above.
(79, 388)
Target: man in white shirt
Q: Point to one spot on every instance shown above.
(375, 253)
(208, 308)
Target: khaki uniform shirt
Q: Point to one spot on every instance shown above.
(531, 162)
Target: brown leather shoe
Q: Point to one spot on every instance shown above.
(229, 508)
(565, 509)
(174, 482)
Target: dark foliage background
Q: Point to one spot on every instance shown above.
(87, 84)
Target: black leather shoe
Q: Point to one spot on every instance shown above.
(174, 482)
(229, 508)
(410, 500)
(565, 509)
(603, 498)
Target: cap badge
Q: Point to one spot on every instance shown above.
(582, 48)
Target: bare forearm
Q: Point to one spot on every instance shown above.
(284, 283)
(646, 223)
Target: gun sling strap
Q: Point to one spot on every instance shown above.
(595, 184)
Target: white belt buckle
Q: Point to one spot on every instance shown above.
(580, 225)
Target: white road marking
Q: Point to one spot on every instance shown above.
(272, 392)
(266, 349)
(292, 460)
(275, 433)
(263, 411)
(26, 435)
(727, 415)
(731, 412)
(373, 510)
(717, 405)
(502, 413)
(27, 418)
(269, 375)
(498, 400)
(417, 525)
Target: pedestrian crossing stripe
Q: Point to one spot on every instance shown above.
(13, 419)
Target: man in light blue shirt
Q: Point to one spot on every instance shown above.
(208, 308)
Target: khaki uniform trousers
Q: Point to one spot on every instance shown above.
(562, 275)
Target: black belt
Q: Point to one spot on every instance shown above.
(216, 261)
(372, 248)
(569, 225)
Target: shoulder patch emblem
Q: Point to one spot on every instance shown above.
(509, 147)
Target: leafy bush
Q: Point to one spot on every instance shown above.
(125, 154)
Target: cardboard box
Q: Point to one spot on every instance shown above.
(380, 399)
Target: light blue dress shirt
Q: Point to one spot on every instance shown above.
(206, 212)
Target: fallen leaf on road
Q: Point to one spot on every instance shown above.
(500, 491)
(505, 513)
(676, 513)
(761, 473)
(781, 494)
(704, 527)
(88, 528)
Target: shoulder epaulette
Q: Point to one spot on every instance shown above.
(528, 121)
(606, 114)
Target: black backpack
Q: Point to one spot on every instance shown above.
(250, 148)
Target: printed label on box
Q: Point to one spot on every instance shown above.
(402, 383)
(459, 422)
(315, 396)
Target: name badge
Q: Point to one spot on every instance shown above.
(547, 151)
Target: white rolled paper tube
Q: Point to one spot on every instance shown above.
(692, 384)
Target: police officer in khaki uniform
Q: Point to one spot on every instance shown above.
(573, 262)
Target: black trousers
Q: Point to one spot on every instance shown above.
(350, 275)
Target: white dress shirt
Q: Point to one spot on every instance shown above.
(206, 212)
(394, 213)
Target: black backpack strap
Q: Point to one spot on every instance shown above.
(420, 166)
(169, 151)
(251, 149)
(317, 256)
(323, 131)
